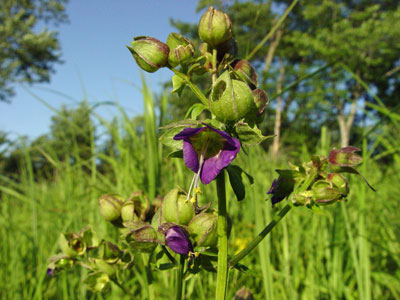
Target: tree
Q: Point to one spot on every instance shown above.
(26, 53)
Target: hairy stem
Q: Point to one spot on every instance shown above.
(222, 270)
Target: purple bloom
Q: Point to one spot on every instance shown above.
(50, 272)
(207, 150)
(178, 240)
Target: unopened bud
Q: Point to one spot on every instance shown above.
(344, 157)
(203, 229)
(176, 208)
(180, 49)
(215, 27)
(150, 54)
(177, 240)
(230, 99)
(109, 252)
(110, 206)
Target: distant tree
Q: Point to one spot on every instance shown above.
(28, 53)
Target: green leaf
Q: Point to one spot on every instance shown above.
(246, 270)
(167, 138)
(250, 136)
(235, 178)
(195, 110)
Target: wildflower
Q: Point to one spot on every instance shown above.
(206, 151)
(177, 239)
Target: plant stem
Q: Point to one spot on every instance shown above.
(260, 236)
(214, 67)
(179, 278)
(222, 269)
(192, 86)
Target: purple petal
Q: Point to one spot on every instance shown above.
(50, 272)
(213, 166)
(187, 133)
(177, 240)
(190, 156)
(272, 189)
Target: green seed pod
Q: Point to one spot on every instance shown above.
(150, 54)
(230, 99)
(72, 244)
(141, 236)
(203, 229)
(110, 206)
(215, 27)
(109, 252)
(245, 72)
(104, 267)
(324, 194)
(260, 101)
(176, 208)
(98, 282)
(180, 49)
(339, 181)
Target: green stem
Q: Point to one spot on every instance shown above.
(214, 66)
(179, 278)
(192, 86)
(260, 236)
(222, 269)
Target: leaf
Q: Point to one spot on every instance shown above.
(176, 154)
(235, 178)
(195, 110)
(167, 138)
(354, 171)
(246, 270)
(250, 136)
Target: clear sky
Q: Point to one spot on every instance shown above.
(97, 63)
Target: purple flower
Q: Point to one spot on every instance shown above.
(281, 188)
(177, 239)
(206, 150)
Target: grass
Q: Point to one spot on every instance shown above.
(349, 251)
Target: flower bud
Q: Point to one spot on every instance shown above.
(110, 206)
(128, 211)
(141, 236)
(323, 193)
(180, 49)
(339, 181)
(344, 157)
(245, 72)
(215, 27)
(72, 244)
(176, 208)
(178, 240)
(230, 99)
(150, 54)
(303, 198)
(260, 101)
(203, 229)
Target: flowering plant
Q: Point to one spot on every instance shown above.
(178, 227)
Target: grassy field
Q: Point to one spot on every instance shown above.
(349, 251)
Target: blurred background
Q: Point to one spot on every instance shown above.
(79, 119)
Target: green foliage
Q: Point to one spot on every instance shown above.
(26, 54)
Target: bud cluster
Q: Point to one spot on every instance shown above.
(327, 186)
(234, 95)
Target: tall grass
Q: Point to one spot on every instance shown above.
(349, 251)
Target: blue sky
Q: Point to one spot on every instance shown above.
(97, 63)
